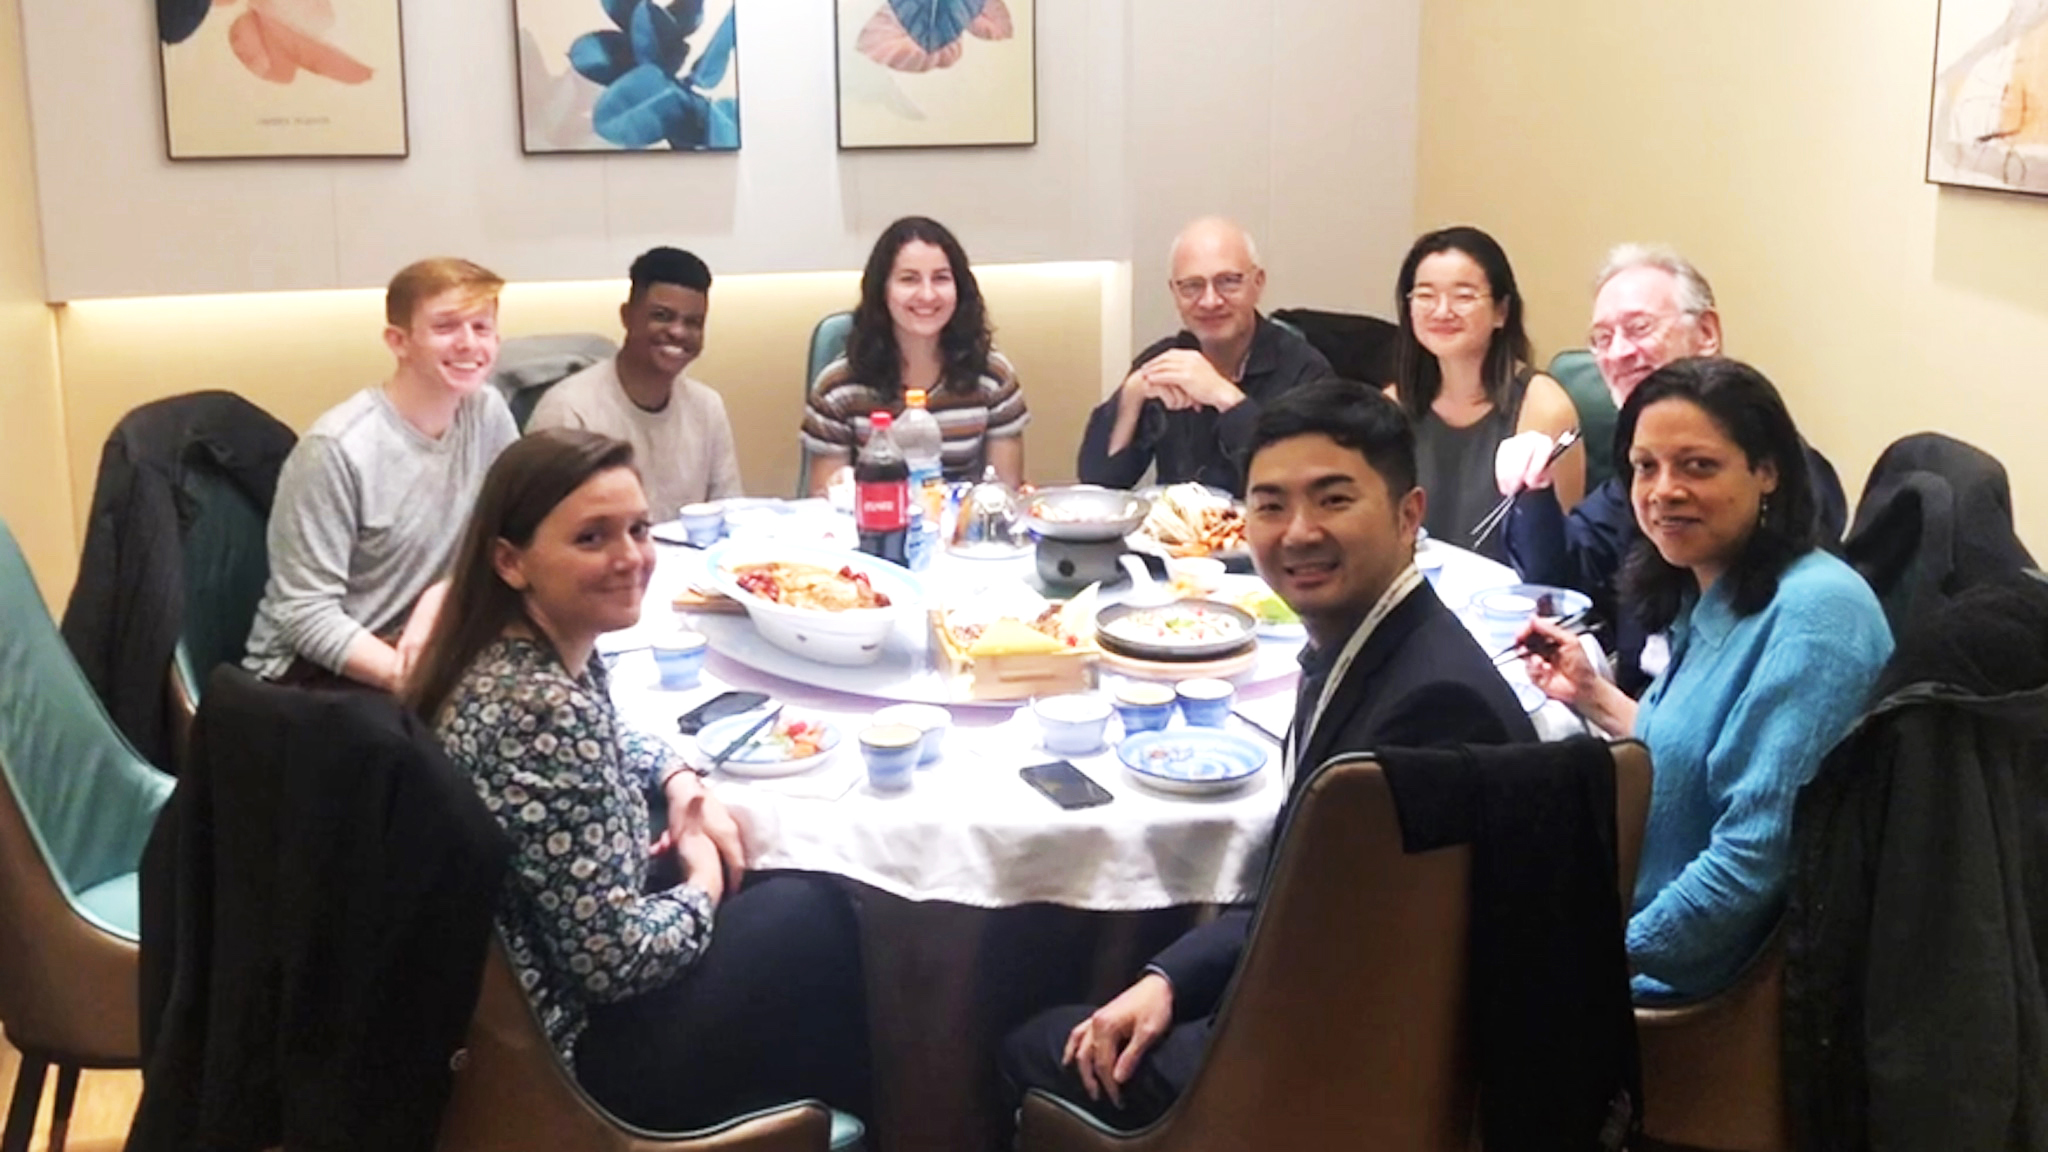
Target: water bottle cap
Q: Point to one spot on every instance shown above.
(881, 419)
(915, 397)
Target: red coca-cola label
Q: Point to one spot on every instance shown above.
(882, 506)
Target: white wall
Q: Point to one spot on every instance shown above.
(1297, 116)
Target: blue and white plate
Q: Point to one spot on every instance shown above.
(766, 757)
(1192, 761)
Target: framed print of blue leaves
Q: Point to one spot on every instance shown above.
(628, 76)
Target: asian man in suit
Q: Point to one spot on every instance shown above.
(1333, 509)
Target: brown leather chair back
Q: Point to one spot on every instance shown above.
(1346, 1024)
(1713, 1073)
(512, 1094)
(1632, 784)
(67, 986)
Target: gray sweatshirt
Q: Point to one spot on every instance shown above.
(368, 514)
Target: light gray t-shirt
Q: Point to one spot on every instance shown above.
(684, 452)
(367, 516)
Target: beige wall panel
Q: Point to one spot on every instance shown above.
(35, 492)
(1781, 146)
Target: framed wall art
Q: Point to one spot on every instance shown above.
(628, 76)
(1987, 123)
(937, 73)
(262, 78)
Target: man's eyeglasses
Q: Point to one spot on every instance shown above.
(1636, 328)
(1461, 300)
(1226, 284)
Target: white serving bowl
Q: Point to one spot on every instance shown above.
(852, 637)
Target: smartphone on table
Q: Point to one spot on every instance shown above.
(1065, 785)
(718, 708)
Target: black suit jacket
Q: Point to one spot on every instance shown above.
(1420, 681)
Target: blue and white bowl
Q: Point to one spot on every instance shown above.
(1193, 761)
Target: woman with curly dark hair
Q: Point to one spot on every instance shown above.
(921, 326)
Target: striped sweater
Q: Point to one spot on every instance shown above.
(836, 416)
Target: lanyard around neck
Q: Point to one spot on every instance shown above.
(1396, 592)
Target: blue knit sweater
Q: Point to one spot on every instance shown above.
(1736, 725)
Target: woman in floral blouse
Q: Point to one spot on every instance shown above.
(679, 1007)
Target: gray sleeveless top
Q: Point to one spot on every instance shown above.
(1455, 467)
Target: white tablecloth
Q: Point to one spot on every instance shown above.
(969, 830)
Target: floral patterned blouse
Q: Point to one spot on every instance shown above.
(568, 781)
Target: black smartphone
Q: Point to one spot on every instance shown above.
(1065, 785)
(718, 708)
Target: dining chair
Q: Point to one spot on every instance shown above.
(1330, 1037)
(1576, 372)
(1713, 1071)
(225, 565)
(512, 1094)
(828, 343)
(76, 806)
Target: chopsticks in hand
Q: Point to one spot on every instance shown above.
(1485, 527)
(1538, 644)
(746, 738)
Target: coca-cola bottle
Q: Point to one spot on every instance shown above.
(881, 499)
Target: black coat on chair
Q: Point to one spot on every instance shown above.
(316, 903)
(127, 609)
(1935, 519)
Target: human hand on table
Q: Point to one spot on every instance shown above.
(693, 810)
(1106, 1047)
(1183, 378)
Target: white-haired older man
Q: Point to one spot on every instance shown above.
(1189, 404)
(1650, 307)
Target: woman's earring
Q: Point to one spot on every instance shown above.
(1763, 510)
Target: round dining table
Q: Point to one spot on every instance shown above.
(980, 898)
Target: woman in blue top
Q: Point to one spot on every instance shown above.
(679, 1002)
(1775, 645)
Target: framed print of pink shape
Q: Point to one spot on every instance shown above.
(274, 39)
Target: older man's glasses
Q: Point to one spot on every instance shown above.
(1461, 300)
(1636, 328)
(1228, 285)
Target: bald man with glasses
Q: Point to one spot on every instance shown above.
(1188, 407)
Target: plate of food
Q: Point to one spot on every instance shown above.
(825, 605)
(1183, 630)
(788, 746)
(1192, 520)
(1192, 761)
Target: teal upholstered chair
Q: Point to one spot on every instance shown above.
(1574, 368)
(226, 562)
(828, 343)
(76, 807)
(513, 1095)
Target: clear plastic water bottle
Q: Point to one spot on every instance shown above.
(917, 434)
